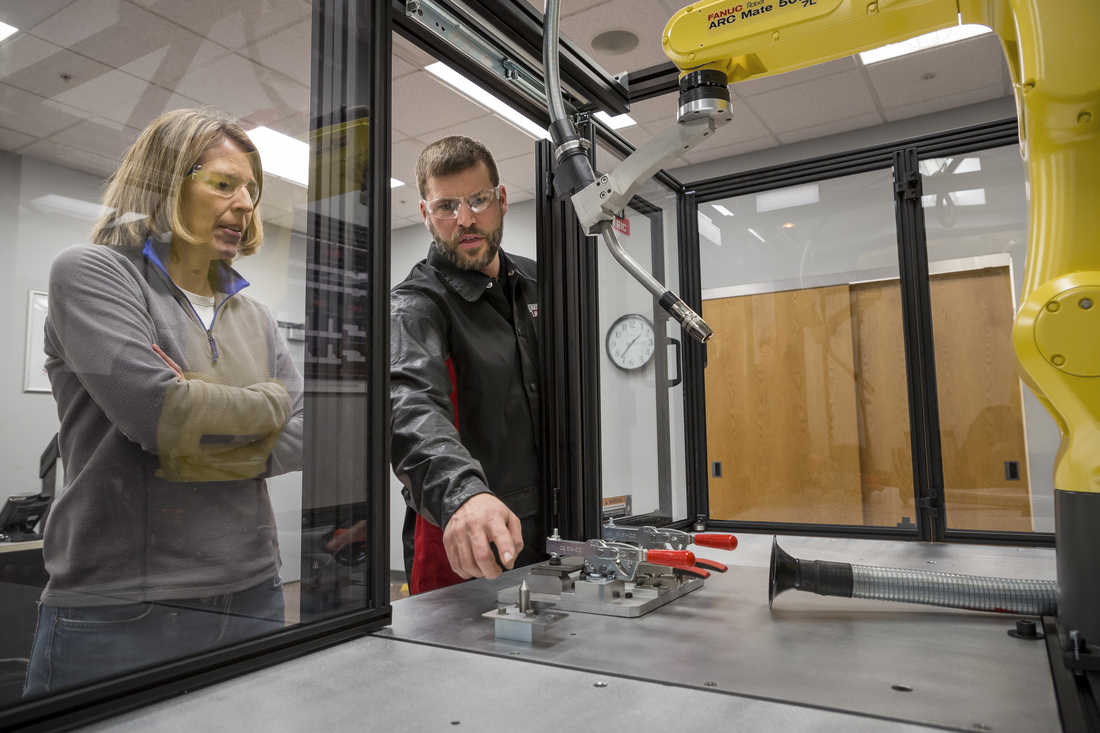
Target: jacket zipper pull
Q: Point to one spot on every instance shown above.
(213, 345)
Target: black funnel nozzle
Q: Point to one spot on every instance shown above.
(813, 576)
(785, 572)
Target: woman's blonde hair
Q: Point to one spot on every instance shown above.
(143, 197)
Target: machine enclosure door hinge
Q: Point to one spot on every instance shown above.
(930, 503)
(908, 184)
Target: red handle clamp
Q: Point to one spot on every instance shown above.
(671, 558)
(717, 541)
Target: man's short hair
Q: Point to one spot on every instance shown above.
(450, 155)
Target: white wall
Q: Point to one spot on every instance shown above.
(34, 233)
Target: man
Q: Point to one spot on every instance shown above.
(464, 363)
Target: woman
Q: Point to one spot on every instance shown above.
(177, 395)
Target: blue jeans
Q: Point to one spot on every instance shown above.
(73, 646)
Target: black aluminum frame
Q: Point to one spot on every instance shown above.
(336, 28)
(569, 392)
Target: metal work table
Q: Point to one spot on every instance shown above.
(715, 657)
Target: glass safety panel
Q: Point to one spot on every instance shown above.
(184, 322)
(806, 402)
(998, 442)
(494, 439)
(641, 391)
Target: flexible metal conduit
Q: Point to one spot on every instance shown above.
(550, 63)
(1001, 595)
(974, 593)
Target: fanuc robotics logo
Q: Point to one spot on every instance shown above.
(750, 9)
(725, 16)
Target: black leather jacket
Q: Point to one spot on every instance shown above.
(441, 316)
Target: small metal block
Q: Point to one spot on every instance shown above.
(513, 625)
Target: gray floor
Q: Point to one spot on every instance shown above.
(715, 658)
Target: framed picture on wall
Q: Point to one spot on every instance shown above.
(34, 375)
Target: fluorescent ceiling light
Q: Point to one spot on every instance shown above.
(6, 30)
(920, 43)
(617, 122)
(282, 155)
(708, 229)
(722, 210)
(56, 204)
(394, 183)
(785, 198)
(972, 197)
(932, 166)
(753, 233)
(468, 89)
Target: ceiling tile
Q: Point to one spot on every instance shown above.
(659, 109)
(762, 85)
(56, 74)
(105, 138)
(942, 103)
(24, 14)
(399, 67)
(134, 40)
(403, 155)
(287, 51)
(831, 98)
(26, 112)
(281, 196)
(235, 24)
(79, 20)
(637, 135)
(410, 53)
(151, 102)
(114, 90)
(238, 86)
(11, 140)
(405, 203)
(606, 160)
(831, 128)
(421, 105)
(975, 63)
(504, 140)
(517, 173)
(644, 18)
(23, 50)
(70, 157)
(729, 150)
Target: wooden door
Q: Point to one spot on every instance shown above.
(807, 408)
(981, 406)
(781, 408)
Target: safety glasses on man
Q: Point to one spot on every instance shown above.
(447, 208)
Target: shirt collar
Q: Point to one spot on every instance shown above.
(470, 284)
(224, 278)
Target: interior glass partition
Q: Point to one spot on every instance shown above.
(998, 442)
(641, 368)
(231, 510)
(806, 403)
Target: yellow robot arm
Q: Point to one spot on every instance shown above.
(1054, 60)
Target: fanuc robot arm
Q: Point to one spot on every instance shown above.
(1054, 60)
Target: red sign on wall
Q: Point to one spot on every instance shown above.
(622, 225)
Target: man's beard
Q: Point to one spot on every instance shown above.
(477, 259)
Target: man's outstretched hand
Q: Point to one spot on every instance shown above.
(482, 519)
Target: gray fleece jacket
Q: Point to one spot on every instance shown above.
(164, 492)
